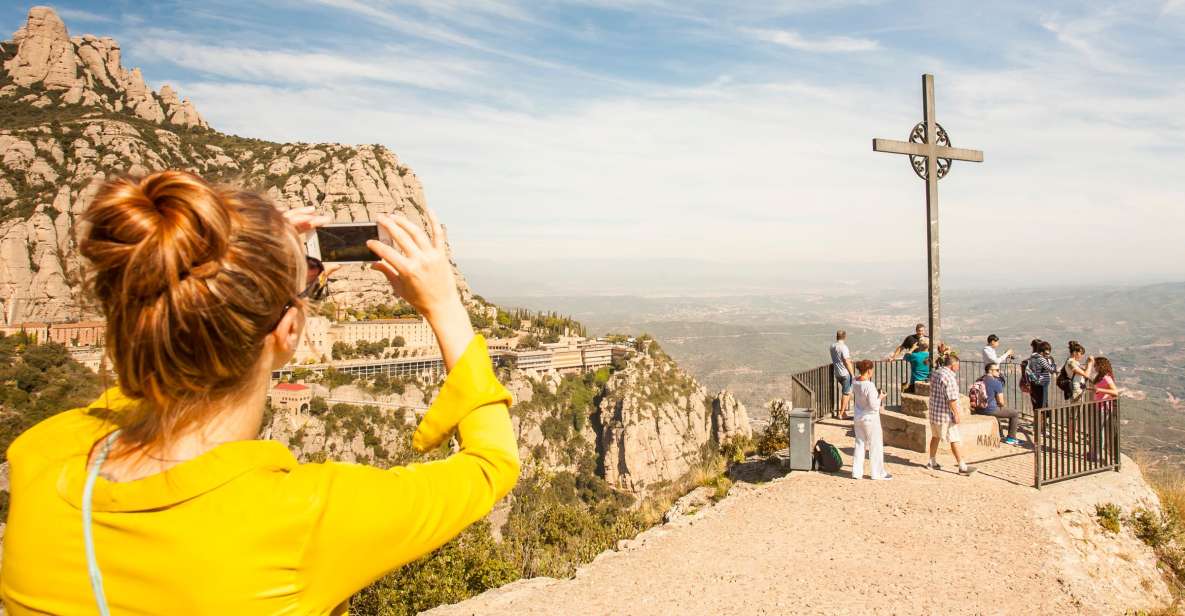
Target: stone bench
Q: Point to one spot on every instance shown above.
(980, 432)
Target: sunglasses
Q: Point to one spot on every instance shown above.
(316, 286)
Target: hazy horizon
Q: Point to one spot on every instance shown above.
(701, 278)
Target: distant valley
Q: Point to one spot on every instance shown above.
(752, 344)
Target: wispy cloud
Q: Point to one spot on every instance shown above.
(80, 15)
(1173, 6)
(310, 67)
(824, 44)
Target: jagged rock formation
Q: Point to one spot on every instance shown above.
(72, 115)
(86, 70)
(656, 421)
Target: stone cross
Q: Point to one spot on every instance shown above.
(930, 154)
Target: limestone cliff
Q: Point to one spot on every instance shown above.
(640, 427)
(71, 115)
(655, 422)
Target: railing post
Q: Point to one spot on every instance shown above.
(1115, 424)
(1037, 458)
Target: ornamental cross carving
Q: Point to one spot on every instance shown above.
(930, 154)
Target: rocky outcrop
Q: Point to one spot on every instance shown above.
(49, 68)
(53, 161)
(657, 423)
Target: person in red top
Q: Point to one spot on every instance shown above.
(1104, 381)
(1106, 391)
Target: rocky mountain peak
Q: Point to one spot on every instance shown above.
(46, 66)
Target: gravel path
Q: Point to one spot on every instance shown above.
(927, 542)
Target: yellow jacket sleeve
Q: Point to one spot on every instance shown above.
(374, 520)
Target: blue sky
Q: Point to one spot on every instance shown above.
(645, 130)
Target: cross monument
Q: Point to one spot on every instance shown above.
(930, 153)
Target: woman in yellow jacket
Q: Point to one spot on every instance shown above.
(159, 498)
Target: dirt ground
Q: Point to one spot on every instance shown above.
(927, 542)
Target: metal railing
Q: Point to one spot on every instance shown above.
(1076, 439)
(817, 390)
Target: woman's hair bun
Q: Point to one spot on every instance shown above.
(191, 278)
(159, 230)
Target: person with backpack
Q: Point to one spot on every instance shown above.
(944, 412)
(1073, 375)
(919, 365)
(987, 398)
(841, 363)
(867, 424)
(1039, 369)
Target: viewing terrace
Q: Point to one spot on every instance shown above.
(1063, 441)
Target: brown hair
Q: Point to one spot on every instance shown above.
(191, 277)
(1102, 368)
(1076, 347)
(863, 366)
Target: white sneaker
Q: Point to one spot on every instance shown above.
(934, 466)
(887, 477)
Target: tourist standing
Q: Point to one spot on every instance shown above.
(1039, 372)
(995, 403)
(1105, 388)
(990, 354)
(911, 341)
(1106, 391)
(1076, 374)
(841, 361)
(944, 412)
(919, 365)
(867, 424)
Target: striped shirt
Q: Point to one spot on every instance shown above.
(1042, 367)
(944, 387)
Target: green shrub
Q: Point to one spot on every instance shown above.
(776, 435)
(1154, 528)
(38, 381)
(1109, 516)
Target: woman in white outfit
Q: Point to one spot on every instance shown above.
(867, 424)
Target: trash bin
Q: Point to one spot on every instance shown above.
(802, 439)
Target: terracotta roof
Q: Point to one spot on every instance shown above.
(291, 387)
(83, 324)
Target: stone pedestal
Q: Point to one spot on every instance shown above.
(979, 432)
(917, 405)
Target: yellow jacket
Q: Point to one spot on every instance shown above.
(244, 528)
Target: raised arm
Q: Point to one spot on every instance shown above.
(372, 520)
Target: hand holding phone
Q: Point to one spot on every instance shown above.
(345, 242)
(418, 267)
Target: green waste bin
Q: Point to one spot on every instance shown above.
(802, 439)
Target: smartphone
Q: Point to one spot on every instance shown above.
(345, 242)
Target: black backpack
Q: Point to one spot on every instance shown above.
(826, 457)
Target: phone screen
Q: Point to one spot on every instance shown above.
(341, 243)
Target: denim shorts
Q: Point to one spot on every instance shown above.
(846, 382)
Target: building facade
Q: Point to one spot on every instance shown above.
(81, 334)
(291, 397)
(321, 334)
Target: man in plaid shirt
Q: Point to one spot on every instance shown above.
(944, 412)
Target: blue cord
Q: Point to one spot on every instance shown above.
(88, 493)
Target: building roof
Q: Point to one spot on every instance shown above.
(400, 321)
(78, 324)
(29, 325)
(290, 387)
